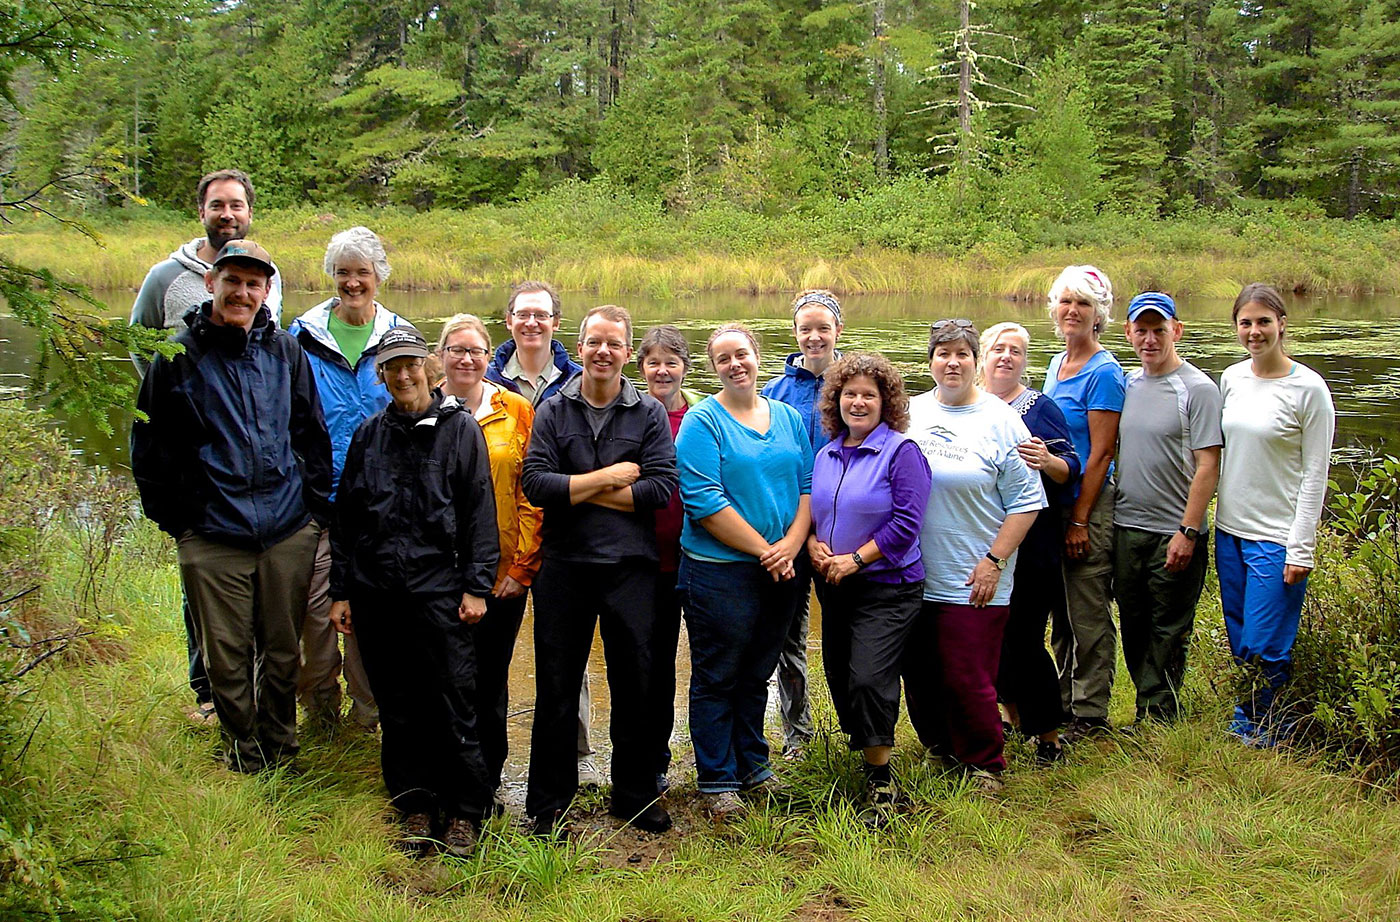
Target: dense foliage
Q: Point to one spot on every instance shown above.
(765, 105)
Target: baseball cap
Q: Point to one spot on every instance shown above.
(1152, 301)
(248, 251)
(401, 342)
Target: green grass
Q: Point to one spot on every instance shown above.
(588, 237)
(1170, 823)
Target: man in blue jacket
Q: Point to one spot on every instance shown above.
(234, 462)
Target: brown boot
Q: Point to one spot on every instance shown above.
(459, 838)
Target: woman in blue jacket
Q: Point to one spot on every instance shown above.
(340, 337)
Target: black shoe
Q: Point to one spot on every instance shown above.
(547, 825)
(459, 838)
(1080, 728)
(651, 817)
(1048, 753)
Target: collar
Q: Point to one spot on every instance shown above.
(573, 389)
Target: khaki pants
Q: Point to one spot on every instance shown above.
(1083, 635)
(318, 690)
(248, 608)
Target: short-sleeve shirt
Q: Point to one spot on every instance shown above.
(978, 480)
(1166, 418)
(1099, 385)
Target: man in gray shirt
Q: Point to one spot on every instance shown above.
(1168, 463)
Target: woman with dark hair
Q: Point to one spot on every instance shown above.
(870, 487)
(1278, 421)
(983, 501)
(664, 360)
(745, 478)
(1088, 384)
(1026, 679)
(414, 552)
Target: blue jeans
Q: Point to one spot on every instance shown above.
(737, 618)
(1261, 618)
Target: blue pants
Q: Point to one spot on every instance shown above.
(1261, 616)
(737, 618)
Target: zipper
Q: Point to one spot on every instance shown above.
(837, 494)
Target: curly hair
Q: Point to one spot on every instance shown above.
(894, 399)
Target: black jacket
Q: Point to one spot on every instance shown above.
(234, 447)
(415, 511)
(562, 444)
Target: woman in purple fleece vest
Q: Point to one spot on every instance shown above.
(870, 486)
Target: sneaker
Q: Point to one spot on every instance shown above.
(663, 784)
(417, 838)
(589, 774)
(202, 714)
(983, 780)
(722, 805)
(794, 753)
(1080, 728)
(649, 818)
(1048, 753)
(879, 809)
(547, 825)
(459, 838)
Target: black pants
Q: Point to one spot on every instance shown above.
(661, 700)
(199, 678)
(421, 663)
(1027, 677)
(495, 637)
(570, 599)
(865, 629)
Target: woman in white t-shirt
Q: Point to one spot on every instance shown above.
(983, 501)
(1278, 422)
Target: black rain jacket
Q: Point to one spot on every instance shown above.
(415, 511)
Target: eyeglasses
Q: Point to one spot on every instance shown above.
(536, 316)
(613, 344)
(958, 322)
(457, 352)
(394, 366)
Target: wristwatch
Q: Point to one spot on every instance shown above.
(1188, 531)
(999, 561)
(859, 562)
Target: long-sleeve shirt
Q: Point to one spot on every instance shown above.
(1273, 471)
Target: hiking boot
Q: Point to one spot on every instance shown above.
(722, 805)
(651, 817)
(589, 774)
(459, 838)
(879, 808)
(417, 838)
(1081, 728)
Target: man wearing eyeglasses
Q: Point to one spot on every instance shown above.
(601, 462)
(536, 365)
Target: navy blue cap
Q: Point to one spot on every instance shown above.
(1152, 301)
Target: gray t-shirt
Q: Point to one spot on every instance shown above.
(598, 416)
(1165, 419)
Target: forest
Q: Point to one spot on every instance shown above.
(1058, 110)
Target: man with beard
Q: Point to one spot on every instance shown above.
(175, 286)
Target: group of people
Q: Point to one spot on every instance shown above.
(347, 477)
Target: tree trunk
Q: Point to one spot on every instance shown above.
(882, 138)
(964, 71)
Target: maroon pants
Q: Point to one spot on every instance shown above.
(950, 671)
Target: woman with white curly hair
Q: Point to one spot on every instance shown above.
(341, 339)
(1088, 384)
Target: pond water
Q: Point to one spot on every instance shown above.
(1353, 342)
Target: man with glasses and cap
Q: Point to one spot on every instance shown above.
(233, 461)
(1169, 444)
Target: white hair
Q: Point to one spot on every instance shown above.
(989, 339)
(357, 243)
(1088, 282)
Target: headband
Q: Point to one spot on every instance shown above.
(817, 297)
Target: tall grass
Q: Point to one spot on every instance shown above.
(588, 236)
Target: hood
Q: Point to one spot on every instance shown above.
(792, 368)
(188, 256)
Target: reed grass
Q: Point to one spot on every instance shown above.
(629, 249)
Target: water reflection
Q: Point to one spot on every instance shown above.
(1352, 342)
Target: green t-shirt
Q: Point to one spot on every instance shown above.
(350, 338)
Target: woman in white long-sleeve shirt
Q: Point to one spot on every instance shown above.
(1278, 422)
